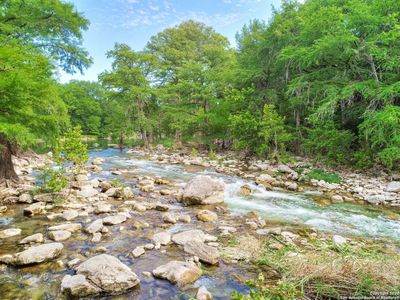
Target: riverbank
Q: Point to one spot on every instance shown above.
(162, 224)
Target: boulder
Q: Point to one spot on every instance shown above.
(203, 190)
(183, 237)
(168, 218)
(245, 190)
(71, 227)
(34, 238)
(78, 286)
(70, 215)
(204, 252)
(102, 208)
(108, 273)
(207, 216)
(138, 251)
(162, 238)
(178, 272)
(95, 226)
(393, 186)
(87, 192)
(113, 220)
(59, 235)
(339, 240)
(105, 186)
(6, 233)
(38, 254)
(35, 209)
(203, 294)
(25, 198)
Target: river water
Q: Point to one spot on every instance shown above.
(281, 206)
(293, 209)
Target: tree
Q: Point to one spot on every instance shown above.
(83, 99)
(129, 92)
(190, 64)
(33, 35)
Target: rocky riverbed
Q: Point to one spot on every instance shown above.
(168, 226)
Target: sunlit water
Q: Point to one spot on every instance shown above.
(291, 208)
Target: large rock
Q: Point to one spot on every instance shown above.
(35, 209)
(59, 235)
(34, 238)
(162, 238)
(87, 192)
(71, 227)
(178, 272)
(78, 286)
(38, 254)
(95, 226)
(204, 252)
(203, 190)
(203, 294)
(6, 233)
(206, 215)
(25, 198)
(113, 220)
(108, 273)
(393, 186)
(184, 237)
(70, 215)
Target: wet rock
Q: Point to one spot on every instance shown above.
(266, 180)
(207, 216)
(108, 273)
(161, 207)
(49, 197)
(203, 294)
(149, 246)
(102, 208)
(168, 218)
(38, 254)
(71, 227)
(59, 235)
(78, 286)
(70, 215)
(165, 192)
(127, 193)
(6, 233)
(96, 237)
(105, 186)
(162, 238)
(87, 192)
(393, 186)
(3, 209)
(35, 209)
(95, 226)
(73, 262)
(204, 252)
(185, 218)
(252, 224)
(245, 190)
(337, 199)
(184, 237)
(97, 161)
(203, 190)
(291, 186)
(25, 198)
(138, 251)
(178, 272)
(114, 220)
(34, 238)
(147, 188)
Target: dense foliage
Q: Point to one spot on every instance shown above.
(321, 78)
(35, 37)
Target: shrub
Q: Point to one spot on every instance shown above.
(381, 132)
(319, 174)
(329, 144)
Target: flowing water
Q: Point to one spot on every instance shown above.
(295, 209)
(281, 206)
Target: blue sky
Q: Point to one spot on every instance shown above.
(134, 21)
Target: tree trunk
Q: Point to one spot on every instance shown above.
(121, 142)
(7, 148)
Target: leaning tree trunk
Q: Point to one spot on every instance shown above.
(7, 148)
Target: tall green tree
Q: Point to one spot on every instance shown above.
(33, 35)
(83, 99)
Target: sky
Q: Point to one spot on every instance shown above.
(134, 21)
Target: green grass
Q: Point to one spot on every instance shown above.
(320, 174)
